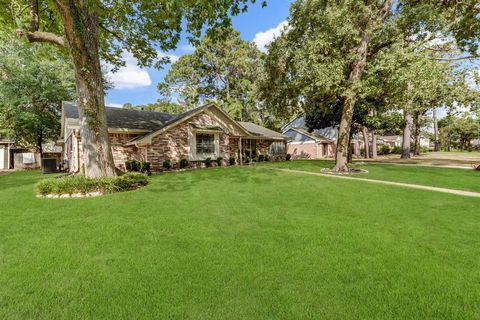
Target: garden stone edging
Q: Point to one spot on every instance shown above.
(73, 195)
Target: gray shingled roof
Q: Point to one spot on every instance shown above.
(259, 131)
(153, 121)
(127, 118)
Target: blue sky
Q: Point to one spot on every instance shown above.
(138, 86)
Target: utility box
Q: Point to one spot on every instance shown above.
(49, 165)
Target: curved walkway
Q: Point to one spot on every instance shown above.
(398, 184)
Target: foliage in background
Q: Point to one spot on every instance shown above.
(31, 92)
(158, 106)
(226, 71)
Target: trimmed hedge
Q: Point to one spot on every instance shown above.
(83, 185)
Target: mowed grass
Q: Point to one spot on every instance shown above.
(461, 179)
(239, 243)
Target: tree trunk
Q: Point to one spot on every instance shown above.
(348, 108)
(406, 135)
(417, 133)
(435, 130)
(81, 32)
(350, 150)
(374, 144)
(356, 71)
(365, 142)
(39, 143)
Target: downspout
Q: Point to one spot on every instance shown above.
(78, 154)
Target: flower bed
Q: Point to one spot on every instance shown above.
(80, 186)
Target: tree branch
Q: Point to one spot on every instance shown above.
(34, 20)
(33, 35)
(39, 36)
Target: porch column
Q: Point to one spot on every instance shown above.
(240, 149)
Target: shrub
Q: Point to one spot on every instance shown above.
(167, 164)
(397, 150)
(261, 158)
(183, 163)
(145, 168)
(267, 158)
(288, 157)
(384, 149)
(133, 166)
(208, 162)
(231, 161)
(246, 159)
(219, 161)
(84, 185)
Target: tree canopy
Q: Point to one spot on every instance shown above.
(225, 70)
(31, 92)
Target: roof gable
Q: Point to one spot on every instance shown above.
(226, 122)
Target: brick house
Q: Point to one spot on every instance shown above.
(195, 135)
(304, 143)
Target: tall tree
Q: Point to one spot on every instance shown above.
(31, 92)
(93, 29)
(225, 71)
(318, 62)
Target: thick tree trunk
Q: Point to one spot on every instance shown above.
(374, 144)
(81, 31)
(348, 108)
(356, 71)
(366, 142)
(406, 135)
(417, 133)
(435, 130)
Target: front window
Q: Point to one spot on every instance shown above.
(205, 143)
(277, 148)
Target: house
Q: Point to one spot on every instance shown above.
(314, 144)
(195, 135)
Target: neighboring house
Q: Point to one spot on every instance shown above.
(317, 144)
(390, 141)
(195, 135)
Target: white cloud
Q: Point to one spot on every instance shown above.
(262, 39)
(131, 76)
(187, 48)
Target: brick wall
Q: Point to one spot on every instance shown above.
(120, 153)
(174, 145)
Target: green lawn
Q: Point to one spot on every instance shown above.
(461, 179)
(239, 243)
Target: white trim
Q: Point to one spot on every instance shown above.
(192, 142)
(305, 142)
